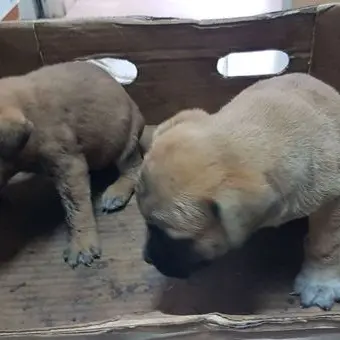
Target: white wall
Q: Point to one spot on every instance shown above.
(27, 10)
(6, 6)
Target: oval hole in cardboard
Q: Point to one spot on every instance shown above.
(123, 70)
(256, 63)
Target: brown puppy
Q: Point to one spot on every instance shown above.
(269, 156)
(62, 121)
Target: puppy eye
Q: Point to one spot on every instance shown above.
(215, 209)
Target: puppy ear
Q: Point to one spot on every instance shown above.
(15, 131)
(240, 215)
(180, 117)
(230, 218)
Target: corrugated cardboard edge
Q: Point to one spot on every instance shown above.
(306, 319)
(320, 9)
(144, 20)
(159, 321)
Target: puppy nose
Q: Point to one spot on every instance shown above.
(146, 257)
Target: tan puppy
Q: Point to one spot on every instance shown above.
(269, 156)
(62, 121)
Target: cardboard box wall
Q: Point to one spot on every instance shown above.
(121, 297)
(305, 3)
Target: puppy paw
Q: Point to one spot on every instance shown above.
(317, 287)
(82, 251)
(117, 196)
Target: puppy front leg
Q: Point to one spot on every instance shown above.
(72, 181)
(318, 282)
(119, 193)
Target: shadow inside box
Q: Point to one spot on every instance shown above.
(30, 207)
(234, 284)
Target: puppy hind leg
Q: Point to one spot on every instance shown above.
(72, 182)
(118, 194)
(318, 282)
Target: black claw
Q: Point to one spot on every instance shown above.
(73, 265)
(326, 308)
(66, 255)
(96, 252)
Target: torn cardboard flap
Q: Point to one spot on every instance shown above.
(176, 62)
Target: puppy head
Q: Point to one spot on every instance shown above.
(192, 193)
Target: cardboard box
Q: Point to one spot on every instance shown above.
(245, 296)
(303, 3)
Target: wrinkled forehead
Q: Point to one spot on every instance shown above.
(179, 219)
(165, 204)
(171, 229)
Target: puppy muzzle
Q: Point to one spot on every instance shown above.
(172, 257)
(179, 270)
